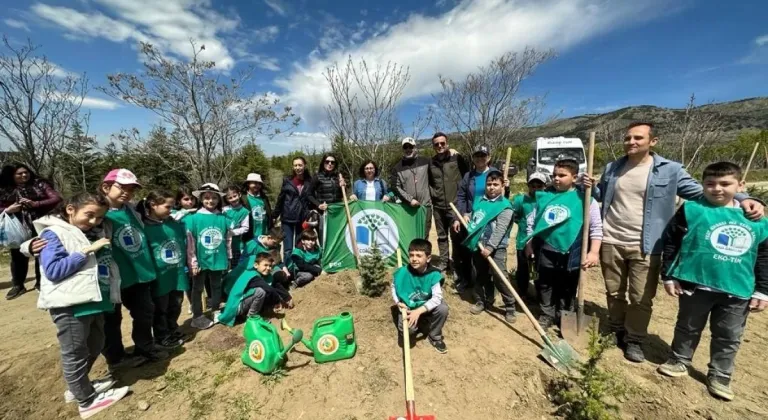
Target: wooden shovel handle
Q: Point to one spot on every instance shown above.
(409, 394)
(503, 278)
(349, 225)
(585, 226)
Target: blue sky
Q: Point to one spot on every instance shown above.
(611, 53)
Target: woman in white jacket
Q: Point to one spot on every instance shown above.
(79, 283)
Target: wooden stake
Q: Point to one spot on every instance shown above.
(506, 167)
(746, 171)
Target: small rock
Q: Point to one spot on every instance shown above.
(54, 398)
(361, 368)
(143, 405)
(161, 386)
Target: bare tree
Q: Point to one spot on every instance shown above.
(694, 132)
(363, 112)
(611, 134)
(38, 102)
(486, 107)
(208, 112)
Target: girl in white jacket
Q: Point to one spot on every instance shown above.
(80, 282)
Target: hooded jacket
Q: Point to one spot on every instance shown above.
(83, 285)
(410, 180)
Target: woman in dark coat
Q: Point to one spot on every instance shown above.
(292, 204)
(28, 197)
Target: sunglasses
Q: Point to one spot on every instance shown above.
(332, 162)
(408, 146)
(439, 144)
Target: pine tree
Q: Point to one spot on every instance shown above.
(373, 272)
(80, 157)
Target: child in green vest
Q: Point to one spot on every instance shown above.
(490, 224)
(186, 204)
(238, 216)
(257, 202)
(255, 290)
(137, 271)
(417, 289)
(209, 248)
(555, 239)
(168, 242)
(305, 259)
(523, 206)
(715, 261)
(80, 283)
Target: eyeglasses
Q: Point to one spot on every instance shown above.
(370, 168)
(439, 144)
(332, 162)
(125, 188)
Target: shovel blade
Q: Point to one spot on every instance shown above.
(560, 356)
(574, 330)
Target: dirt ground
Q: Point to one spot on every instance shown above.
(491, 370)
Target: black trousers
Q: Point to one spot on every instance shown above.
(138, 300)
(557, 290)
(167, 312)
(20, 269)
(461, 257)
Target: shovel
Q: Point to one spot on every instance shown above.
(573, 325)
(410, 403)
(560, 355)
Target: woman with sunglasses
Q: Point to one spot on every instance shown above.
(326, 186)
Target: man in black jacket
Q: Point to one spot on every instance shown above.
(445, 173)
(410, 180)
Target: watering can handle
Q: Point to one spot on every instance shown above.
(324, 323)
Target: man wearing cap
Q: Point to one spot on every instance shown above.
(638, 193)
(471, 190)
(410, 178)
(446, 170)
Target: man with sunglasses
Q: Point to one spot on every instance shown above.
(638, 192)
(410, 180)
(446, 170)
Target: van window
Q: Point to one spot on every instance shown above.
(550, 156)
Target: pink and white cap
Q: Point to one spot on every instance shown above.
(122, 177)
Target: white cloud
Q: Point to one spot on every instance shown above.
(458, 41)
(761, 40)
(266, 34)
(13, 23)
(98, 103)
(278, 6)
(298, 140)
(167, 24)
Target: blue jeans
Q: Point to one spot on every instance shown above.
(291, 230)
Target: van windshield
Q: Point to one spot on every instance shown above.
(550, 156)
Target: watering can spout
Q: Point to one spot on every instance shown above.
(298, 335)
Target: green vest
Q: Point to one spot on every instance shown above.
(104, 259)
(210, 234)
(309, 257)
(483, 212)
(129, 248)
(168, 242)
(414, 290)
(236, 217)
(236, 292)
(719, 250)
(559, 218)
(523, 206)
(258, 213)
(245, 266)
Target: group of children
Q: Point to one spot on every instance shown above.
(100, 251)
(715, 261)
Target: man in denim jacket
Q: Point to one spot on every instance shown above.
(638, 193)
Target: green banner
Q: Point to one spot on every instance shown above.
(387, 225)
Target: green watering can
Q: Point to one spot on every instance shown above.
(264, 351)
(333, 338)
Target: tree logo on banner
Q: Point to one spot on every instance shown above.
(374, 227)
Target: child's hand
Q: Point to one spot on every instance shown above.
(673, 288)
(287, 273)
(413, 316)
(592, 260)
(587, 181)
(758, 305)
(352, 197)
(101, 243)
(485, 252)
(456, 226)
(289, 304)
(196, 271)
(401, 305)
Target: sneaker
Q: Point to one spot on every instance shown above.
(439, 345)
(510, 317)
(99, 385)
(634, 353)
(156, 355)
(15, 292)
(546, 322)
(169, 343)
(477, 308)
(201, 323)
(216, 315)
(178, 335)
(103, 401)
(673, 368)
(720, 388)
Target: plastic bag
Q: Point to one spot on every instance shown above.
(13, 233)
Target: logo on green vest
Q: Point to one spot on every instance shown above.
(731, 240)
(211, 238)
(374, 227)
(257, 212)
(477, 217)
(556, 214)
(170, 252)
(103, 265)
(129, 238)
